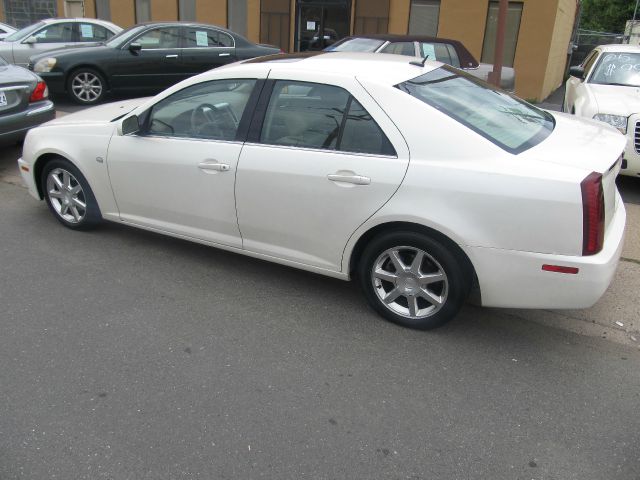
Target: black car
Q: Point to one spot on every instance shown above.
(145, 58)
(23, 102)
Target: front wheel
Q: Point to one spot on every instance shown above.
(414, 280)
(69, 196)
(86, 86)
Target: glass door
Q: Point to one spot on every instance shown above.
(321, 24)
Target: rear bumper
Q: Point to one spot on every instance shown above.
(14, 127)
(515, 279)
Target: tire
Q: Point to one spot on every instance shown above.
(66, 191)
(86, 86)
(419, 305)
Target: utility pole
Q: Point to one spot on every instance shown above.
(496, 74)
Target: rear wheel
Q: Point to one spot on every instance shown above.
(69, 196)
(86, 86)
(413, 280)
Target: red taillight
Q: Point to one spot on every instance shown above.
(41, 92)
(592, 214)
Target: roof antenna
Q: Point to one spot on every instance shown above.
(419, 63)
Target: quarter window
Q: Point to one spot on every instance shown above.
(319, 116)
(210, 111)
(204, 37)
(400, 48)
(167, 37)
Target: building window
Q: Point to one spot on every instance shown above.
(237, 16)
(187, 10)
(514, 14)
(143, 11)
(103, 9)
(423, 18)
(372, 16)
(275, 17)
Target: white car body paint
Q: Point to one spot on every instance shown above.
(510, 213)
(587, 99)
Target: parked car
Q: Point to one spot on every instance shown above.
(451, 52)
(6, 30)
(52, 34)
(144, 58)
(605, 87)
(23, 102)
(422, 182)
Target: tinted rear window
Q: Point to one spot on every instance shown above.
(511, 123)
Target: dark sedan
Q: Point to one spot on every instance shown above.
(23, 102)
(145, 58)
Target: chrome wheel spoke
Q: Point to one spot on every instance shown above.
(429, 278)
(386, 276)
(393, 295)
(78, 203)
(66, 180)
(413, 306)
(56, 194)
(417, 263)
(58, 182)
(394, 256)
(430, 297)
(75, 213)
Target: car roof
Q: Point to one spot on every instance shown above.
(379, 67)
(617, 47)
(81, 19)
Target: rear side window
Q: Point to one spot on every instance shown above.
(442, 52)
(400, 48)
(318, 116)
(89, 32)
(204, 37)
(356, 45)
(505, 120)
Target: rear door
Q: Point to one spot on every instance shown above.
(155, 66)
(323, 160)
(206, 48)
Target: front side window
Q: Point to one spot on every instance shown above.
(326, 117)
(505, 120)
(400, 48)
(159, 38)
(209, 111)
(617, 68)
(23, 33)
(56, 33)
(205, 37)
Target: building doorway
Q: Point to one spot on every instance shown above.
(321, 23)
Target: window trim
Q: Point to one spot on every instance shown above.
(260, 113)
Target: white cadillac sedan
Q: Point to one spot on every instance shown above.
(606, 87)
(419, 181)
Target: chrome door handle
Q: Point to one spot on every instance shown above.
(214, 166)
(224, 54)
(355, 179)
(171, 56)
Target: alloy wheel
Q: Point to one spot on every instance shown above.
(409, 282)
(86, 86)
(66, 196)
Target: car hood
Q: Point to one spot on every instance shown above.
(616, 100)
(101, 114)
(12, 74)
(580, 142)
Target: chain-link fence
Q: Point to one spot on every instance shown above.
(587, 40)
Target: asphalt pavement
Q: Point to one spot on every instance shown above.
(130, 355)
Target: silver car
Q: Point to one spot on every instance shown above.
(6, 30)
(52, 34)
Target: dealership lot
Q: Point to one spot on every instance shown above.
(131, 355)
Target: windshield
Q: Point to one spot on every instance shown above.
(505, 120)
(123, 36)
(617, 68)
(356, 45)
(23, 32)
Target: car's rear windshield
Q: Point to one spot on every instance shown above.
(23, 32)
(356, 45)
(511, 123)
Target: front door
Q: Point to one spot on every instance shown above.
(49, 37)
(322, 163)
(154, 67)
(178, 174)
(321, 24)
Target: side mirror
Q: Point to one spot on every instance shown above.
(135, 47)
(130, 125)
(31, 40)
(577, 72)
